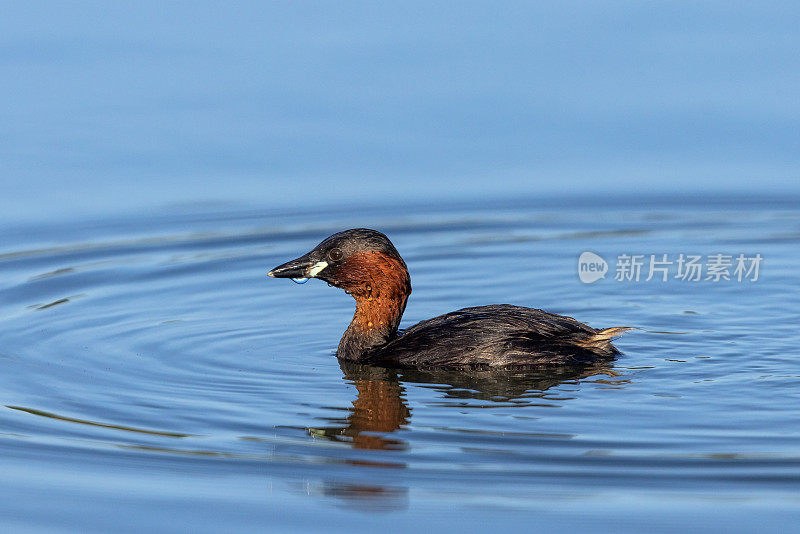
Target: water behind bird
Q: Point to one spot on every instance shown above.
(149, 370)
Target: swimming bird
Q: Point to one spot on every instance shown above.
(365, 264)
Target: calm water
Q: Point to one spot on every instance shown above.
(152, 377)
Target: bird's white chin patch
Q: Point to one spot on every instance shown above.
(315, 269)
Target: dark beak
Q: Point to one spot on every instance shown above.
(298, 268)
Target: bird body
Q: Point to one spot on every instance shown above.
(366, 265)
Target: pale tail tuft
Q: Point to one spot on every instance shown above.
(611, 333)
(600, 341)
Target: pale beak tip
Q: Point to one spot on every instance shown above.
(271, 274)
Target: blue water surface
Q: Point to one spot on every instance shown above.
(155, 378)
(110, 105)
(158, 158)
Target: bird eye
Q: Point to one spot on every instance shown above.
(335, 254)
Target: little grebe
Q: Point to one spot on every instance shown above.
(366, 265)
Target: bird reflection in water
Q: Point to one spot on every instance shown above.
(380, 408)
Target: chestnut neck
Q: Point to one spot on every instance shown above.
(380, 285)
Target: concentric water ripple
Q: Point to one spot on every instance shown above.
(159, 345)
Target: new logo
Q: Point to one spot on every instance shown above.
(591, 267)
